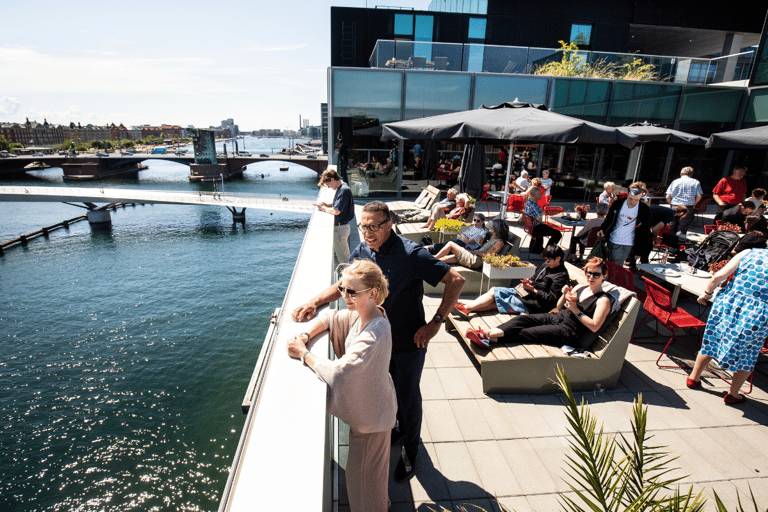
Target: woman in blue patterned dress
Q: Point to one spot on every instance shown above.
(738, 322)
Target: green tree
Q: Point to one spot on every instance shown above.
(4, 144)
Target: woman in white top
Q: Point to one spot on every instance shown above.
(361, 391)
(546, 182)
(608, 196)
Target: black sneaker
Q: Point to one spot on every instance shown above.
(397, 436)
(405, 466)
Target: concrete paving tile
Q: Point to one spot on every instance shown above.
(709, 402)
(637, 352)
(428, 484)
(528, 469)
(736, 446)
(727, 464)
(529, 420)
(426, 435)
(428, 362)
(471, 420)
(553, 411)
(665, 411)
(634, 380)
(442, 424)
(499, 418)
(726, 491)
(544, 502)
(431, 388)
(442, 356)
(659, 380)
(460, 356)
(453, 383)
(551, 451)
(756, 436)
(513, 503)
(753, 486)
(474, 381)
(433, 506)
(496, 475)
(690, 462)
(456, 464)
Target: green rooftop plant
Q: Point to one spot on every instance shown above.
(573, 64)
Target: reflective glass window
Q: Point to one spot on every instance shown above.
(581, 35)
(635, 102)
(367, 93)
(428, 94)
(476, 29)
(492, 89)
(585, 99)
(423, 30)
(403, 24)
(757, 108)
(710, 109)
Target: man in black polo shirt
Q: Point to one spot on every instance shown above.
(406, 266)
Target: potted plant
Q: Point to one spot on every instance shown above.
(582, 210)
(506, 267)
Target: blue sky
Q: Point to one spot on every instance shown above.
(262, 63)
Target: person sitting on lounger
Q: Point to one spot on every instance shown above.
(544, 290)
(461, 210)
(453, 253)
(471, 237)
(580, 309)
(446, 205)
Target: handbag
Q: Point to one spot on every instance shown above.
(600, 250)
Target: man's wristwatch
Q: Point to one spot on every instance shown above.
(438, 319)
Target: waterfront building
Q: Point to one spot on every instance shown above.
(33, 133)
(709, 58)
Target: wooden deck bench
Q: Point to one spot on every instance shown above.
(428, 197)
(530, 369)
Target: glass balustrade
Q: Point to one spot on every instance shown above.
(480, 58)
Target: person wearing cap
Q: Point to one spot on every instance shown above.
(627, 225)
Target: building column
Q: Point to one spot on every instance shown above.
(727, 67)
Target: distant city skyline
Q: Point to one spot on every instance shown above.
(194, 63)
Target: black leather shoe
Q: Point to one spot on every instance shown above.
(397, 436)
(405, 466)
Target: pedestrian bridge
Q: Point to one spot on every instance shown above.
(97, 199)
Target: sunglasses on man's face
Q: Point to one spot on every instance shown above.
(349, 291)
(635, 191)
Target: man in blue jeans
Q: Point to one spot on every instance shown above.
(627, 226)
(406, 265)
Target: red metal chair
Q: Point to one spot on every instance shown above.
(709, 228)
(658, 304)
(552, 210)
(700, 209)
(516, 203)
(487, 198)
(623, 277)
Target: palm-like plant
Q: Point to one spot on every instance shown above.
(640, 478)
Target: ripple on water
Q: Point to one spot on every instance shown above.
(126, 352)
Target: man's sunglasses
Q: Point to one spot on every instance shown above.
(349, 291)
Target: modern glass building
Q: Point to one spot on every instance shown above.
(710, 65)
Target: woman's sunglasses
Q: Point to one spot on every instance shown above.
(349, 291)
(595, 274)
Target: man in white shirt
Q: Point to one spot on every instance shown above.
(684, 191)
(627, 225)
(522, 182)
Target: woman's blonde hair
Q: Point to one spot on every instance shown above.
(371, 276)
(462, 198)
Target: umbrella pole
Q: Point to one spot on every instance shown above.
(400, 149)
(510, 157)
(637, 163)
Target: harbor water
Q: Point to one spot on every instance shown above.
(126, 351)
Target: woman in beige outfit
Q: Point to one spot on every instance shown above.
(361, 391)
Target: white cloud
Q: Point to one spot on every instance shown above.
(8, 106)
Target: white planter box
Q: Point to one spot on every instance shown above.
(508, 272)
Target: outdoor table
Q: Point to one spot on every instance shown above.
(678, 275)
(500, 196)
(571, 222)
(658, 199)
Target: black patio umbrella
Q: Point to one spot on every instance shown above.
(508, 122)
(748, 138)
(472, 173)
(647, 132)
